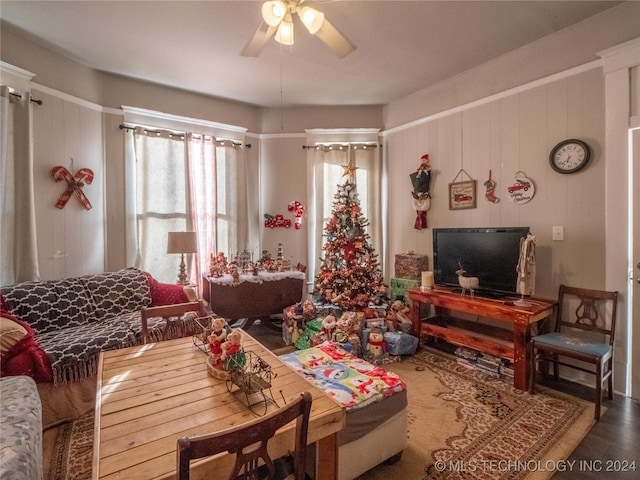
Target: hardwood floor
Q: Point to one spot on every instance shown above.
(611, 449)
(611, 445)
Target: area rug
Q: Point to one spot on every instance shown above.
(68, 450)
(466, 425)
(461, 425)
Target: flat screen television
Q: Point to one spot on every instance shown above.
(491, 254)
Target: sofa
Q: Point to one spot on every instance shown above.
(21, 420)
(68, 322)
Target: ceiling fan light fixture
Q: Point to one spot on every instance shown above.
(311, 18)
(273, 11)
(284, 35)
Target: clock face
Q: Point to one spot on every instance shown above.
(569, 156)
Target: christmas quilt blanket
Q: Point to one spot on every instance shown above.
(351, 381)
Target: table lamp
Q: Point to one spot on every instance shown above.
(182, 242)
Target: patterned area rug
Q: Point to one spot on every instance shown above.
(467, 425)
(68, 450)
(462, 425)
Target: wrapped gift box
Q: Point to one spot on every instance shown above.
(398, 288)
(411, 265)
(399, 343)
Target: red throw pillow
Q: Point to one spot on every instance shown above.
(165, 293)
(26, 357)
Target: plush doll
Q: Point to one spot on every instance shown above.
(391, 320)
(329, 325)
(421, 181)
(376, 343)
(231, 346)
(216, 338)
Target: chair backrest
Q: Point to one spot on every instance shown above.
(587, 309)
(248, 442)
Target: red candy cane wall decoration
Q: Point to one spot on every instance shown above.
(74, 184)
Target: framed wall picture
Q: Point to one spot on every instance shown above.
(462, 195)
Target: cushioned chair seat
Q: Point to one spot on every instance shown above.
(575, 344)
(593, 312)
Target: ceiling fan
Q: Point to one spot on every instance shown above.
(278, 21)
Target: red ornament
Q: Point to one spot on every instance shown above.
(349, 251)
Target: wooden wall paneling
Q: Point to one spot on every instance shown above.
(90, 224)
(45, 189)
(592, 177)
(510, 154)
(448, 137)
(69, 130)
(480, 156)
(401, 211)
(495, 166)
(70, 240)
(115, 193)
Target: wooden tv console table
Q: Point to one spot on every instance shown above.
(508, 341)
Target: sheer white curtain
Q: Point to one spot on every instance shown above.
(203, 180)
(158, 162)
(324, 174)
(183, 182)
(18, 247)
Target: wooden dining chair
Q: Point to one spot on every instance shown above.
(584, 332)
(248, 442)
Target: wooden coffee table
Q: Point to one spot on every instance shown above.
(149, 396)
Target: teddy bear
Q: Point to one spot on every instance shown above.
(376, 345)
(216, 338)
(232, 345)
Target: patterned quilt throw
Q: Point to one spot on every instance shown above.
(351, 381)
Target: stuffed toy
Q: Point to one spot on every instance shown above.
(376, 344)
(421, 181)
(216, 338)
(391, 320)
(329, 325)
(231, 346)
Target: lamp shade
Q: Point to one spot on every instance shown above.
(284, 35)
(182, 242)
(273, 12)
(312, 19)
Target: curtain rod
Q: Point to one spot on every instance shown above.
(122, 126)
(341, 146)
(17, 95)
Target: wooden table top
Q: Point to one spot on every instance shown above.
(150, 395)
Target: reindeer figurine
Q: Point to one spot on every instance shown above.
(467, 283)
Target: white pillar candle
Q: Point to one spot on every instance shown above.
(427, 279)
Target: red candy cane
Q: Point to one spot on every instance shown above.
(74, 184)
(298, 211)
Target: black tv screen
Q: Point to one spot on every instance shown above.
(491, 254)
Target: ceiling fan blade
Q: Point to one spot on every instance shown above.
(259, 39)
(335, 40)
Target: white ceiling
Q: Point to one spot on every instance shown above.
(402, 46)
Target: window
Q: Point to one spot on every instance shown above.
(326, 171)
(184, 182)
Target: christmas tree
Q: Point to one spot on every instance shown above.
(349, 275)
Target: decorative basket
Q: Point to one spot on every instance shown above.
(216, 372)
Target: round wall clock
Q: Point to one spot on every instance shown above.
(569, 156)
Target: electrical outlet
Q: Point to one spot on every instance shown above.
(558, 234)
